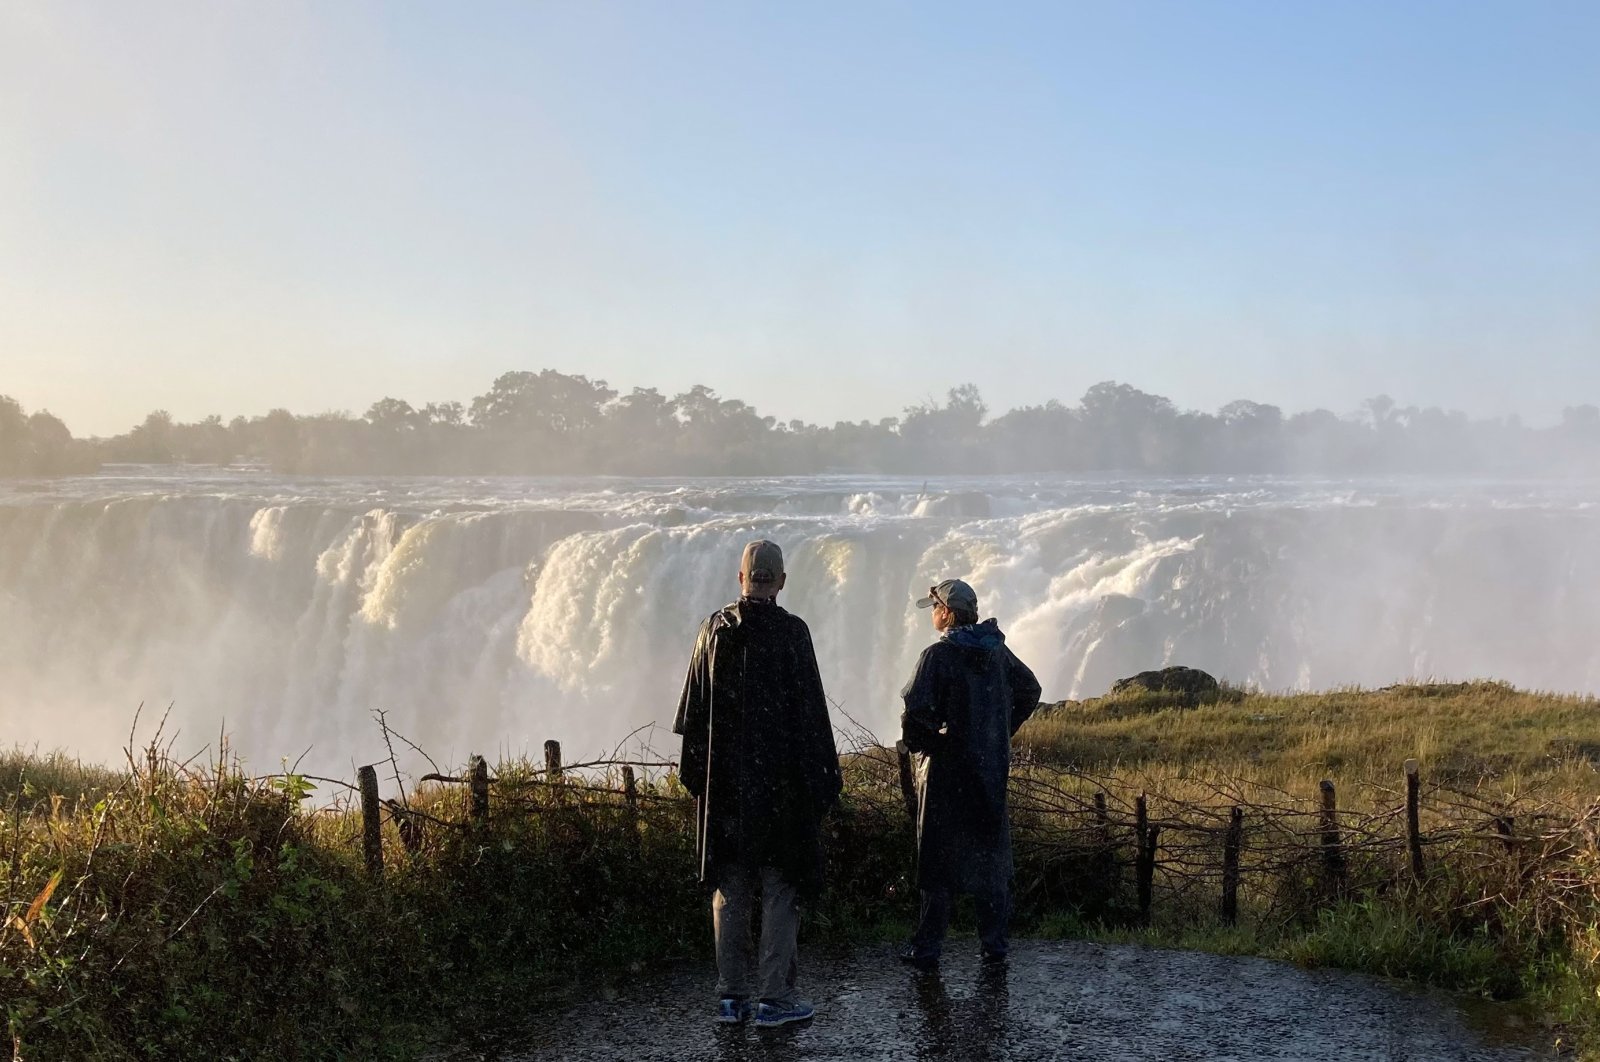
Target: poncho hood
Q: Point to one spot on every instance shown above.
(984, 637)
(744, 611)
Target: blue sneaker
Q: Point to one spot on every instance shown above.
(732, 1010)
(772, 1015)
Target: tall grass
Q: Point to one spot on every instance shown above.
(179, 911)
(1488, 920)
(204, 914)
(26, 775)
(1465, 733)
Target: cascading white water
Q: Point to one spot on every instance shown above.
(488, 615)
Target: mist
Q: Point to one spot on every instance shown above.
(488, 614)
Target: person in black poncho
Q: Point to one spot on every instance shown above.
(759, 757)
(966, 699)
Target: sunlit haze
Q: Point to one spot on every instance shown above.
(828, 211)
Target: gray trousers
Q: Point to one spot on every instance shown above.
(732, 909)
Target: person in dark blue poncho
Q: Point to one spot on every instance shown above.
(966, 699)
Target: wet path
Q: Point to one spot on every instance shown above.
(1058, 1000)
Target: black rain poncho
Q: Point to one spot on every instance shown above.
(758, 751)
(967, 697)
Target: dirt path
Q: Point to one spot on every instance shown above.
(1058, 1000)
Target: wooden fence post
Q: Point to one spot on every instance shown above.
(1413, 822)
(1230, 866)
(1333, 866)
(1107, 855)
(371, 820)
(1506, 826)
(908, 784)
(630, 794)
(478, 789)
(408, 826)
(552, 761)
(1145, 863)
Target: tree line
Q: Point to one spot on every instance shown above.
(548, 422)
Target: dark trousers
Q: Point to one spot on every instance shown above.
(994, 911)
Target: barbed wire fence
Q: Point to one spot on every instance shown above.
(1112, 846)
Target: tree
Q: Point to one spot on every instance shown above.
(394, 415)
(1252, 436)
(1581, 420)
(446, 414)
(205, 442)
(641, 431)
(50, 433)
(542, 422)
(721, 436)
(280, 440)
(1036, 439)
(1126, 427)
(151, 441)
(546, 401)
(946, 438)
(16, 441)
(55, 451)
(1379, 411)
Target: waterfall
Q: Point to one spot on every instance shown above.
(488, 615)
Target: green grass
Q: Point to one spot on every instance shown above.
(1490, 928)
(1462, 733)
(28, 776)
(200, 915)
(196, 913)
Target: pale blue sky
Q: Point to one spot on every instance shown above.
(829, 210)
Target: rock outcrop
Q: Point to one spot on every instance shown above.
(1194, 684)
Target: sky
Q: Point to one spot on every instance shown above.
(829, 210)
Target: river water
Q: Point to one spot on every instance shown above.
(490, 614)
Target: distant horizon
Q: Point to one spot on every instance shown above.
(548, 422)
(929, 395)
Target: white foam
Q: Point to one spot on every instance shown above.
(492, 614)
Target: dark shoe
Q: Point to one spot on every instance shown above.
(732, 1010)
(993, 958)
(772, 1015)
(920, 960)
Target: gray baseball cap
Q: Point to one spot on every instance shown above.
(952, 593)
(762, 562)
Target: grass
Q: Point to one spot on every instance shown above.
(25, 774)
(1495, 928)
(1463, 733)
(201, 914)
(186, 912)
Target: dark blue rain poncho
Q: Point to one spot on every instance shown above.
(758, 749)
(968, 696)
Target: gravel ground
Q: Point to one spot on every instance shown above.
(1057, 1000)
